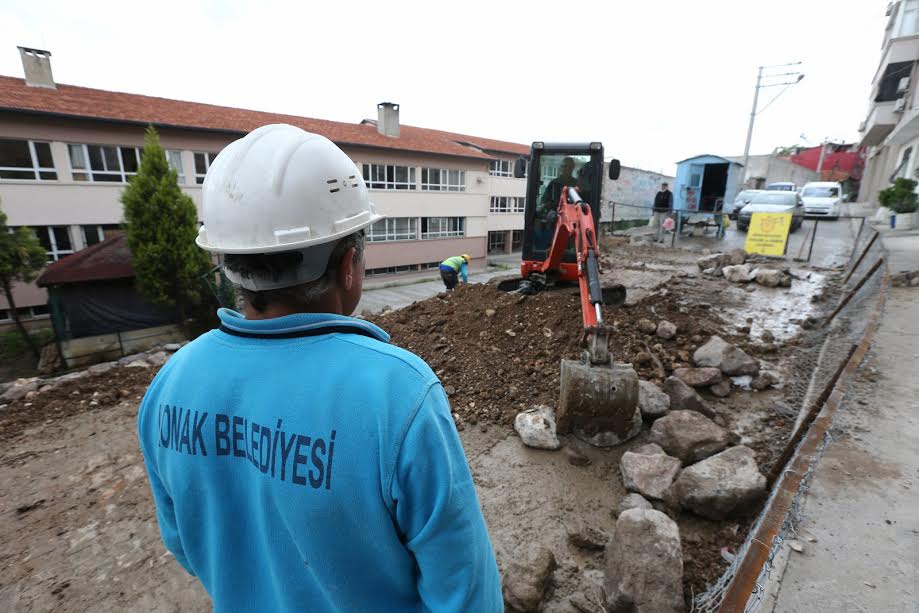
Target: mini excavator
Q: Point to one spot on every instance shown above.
(598, 399)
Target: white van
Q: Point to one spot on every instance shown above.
(822, 199)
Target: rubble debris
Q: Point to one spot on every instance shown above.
(633, 501)
(449, 390)
(649, 449)
(644, 564)
(173, 346)
(684, 398)
(722, 389)
(767, 336)
(536, 428)
(588, 537)
(527, 577)
(104, 367)
(721, 485)
(729, 359)
(652, 401)
(648, 474)
(19, 388)
(646, 326)
(770, 277)
(741, 273)
(698, 377)
(666, 330)
(689, 436)
(490, 313)
(905, 278)
(738, 256)
(138, 364)
(715, 261)
(765, 380)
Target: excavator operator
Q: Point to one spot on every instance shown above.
(546, 212)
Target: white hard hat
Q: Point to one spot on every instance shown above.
(280, 188)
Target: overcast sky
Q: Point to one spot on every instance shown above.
(655, 81)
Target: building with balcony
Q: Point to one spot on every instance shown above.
(67, 152)
(890, 131)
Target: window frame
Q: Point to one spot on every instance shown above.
(444, 181)
(89, 172)
(497, 246)
(209, 158)
(370, 171)
(180, 170)
(443, 222)
(36, 168)
(392, 234)
(496, 168)
(512, 204)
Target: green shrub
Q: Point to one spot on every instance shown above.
(900, 197)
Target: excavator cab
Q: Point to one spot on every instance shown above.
(550, 168)
(598, 399)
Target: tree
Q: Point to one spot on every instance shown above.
(161, 226)
(21, 259)
(900, 197)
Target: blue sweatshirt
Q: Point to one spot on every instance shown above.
(304, 464)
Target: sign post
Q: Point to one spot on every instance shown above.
(768, 233)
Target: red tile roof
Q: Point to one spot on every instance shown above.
(110, 259)
(87, 103)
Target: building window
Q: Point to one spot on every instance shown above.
(26, 160)
(909, 20)
(98, 233)
(175, 162)
(442, 180)
(104, 163)
(888, 88)
(442, 227)
(382, 176)
(39, 311)
(389, 270)
(394, 229)
(55, 240)
(496, 242)
(428, 265)
(507, 204)
(516, 240)
(501, 168)
(203, 163)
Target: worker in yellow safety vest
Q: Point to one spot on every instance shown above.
(452, 268)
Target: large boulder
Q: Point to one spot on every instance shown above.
(644, 564)
(682, 397)
(647, 326)
(19, 388)
(716, 261)
(738, 256)
(689, 436)
(527, 578)
(536, 428)
(769, 277)
(649, 474)
(740, 273)
(727, 358)
(722, 484)
(698, 377)
(652, 402)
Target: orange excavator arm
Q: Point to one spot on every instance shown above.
(576, 221)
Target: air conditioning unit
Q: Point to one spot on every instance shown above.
(903, 86)
(900, 105)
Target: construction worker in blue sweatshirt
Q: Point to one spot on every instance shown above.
(298, 461)
(452, 268)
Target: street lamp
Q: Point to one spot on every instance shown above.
(794, 77)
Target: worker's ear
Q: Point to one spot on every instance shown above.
(346, 274)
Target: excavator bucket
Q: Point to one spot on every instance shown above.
(598, 403)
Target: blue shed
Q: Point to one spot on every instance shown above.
(705, 183)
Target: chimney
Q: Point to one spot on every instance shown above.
(36, 64)
(388, 119)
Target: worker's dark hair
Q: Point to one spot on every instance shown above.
(274, 265)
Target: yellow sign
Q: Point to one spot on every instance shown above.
(768, 233)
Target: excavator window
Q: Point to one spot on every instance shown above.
(556, 172)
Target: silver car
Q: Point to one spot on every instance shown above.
(773, 202)
(742, 200)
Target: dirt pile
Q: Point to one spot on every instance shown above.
(499, 353)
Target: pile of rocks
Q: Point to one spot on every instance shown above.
(905, 278)
(28, 388)
(733, 266)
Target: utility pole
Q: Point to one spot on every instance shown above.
(760, 85)
(822, 155)
(746, 149)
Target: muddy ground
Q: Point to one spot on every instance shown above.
(77, 524)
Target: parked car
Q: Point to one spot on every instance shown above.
(782, 187)
(773, 202)
(742, 200)
(822, 199)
